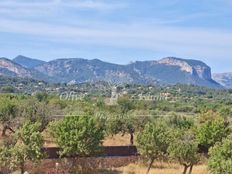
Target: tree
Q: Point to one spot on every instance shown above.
(211, 131)
(184, 149)
(209, 116)
(126, 124)
(28, 146)
(35, 111)
(153, 142)
(77, 135)
(133, 124)
(5, 157)
(180, 122)
(220, 160)
(125, 104)
(41, 96)
(8, 111)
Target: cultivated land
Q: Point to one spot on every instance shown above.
(173, 127)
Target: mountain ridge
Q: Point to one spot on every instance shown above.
(169, 70)
(27, 62)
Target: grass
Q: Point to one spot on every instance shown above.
(105, 166)
(160, 168)
(117, 140)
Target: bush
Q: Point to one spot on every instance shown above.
(220, 160)
(77, 135)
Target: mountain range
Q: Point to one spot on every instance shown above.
(169, 70)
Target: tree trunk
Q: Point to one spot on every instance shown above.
(4, 131)
(191, 169)
(9, 128)
(150, 165)
(131, 139)
(185, 169)
(22, 168)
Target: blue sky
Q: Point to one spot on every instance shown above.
(118, 31)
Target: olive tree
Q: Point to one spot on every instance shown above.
(28, 147)
(220, 160)
(211, 131)
(126, 124)
(153, 142)
(184, 149)
(35, 111)
(180, 122)
(8, 111)
(125, 104)
(77, 135)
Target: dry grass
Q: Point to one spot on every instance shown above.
(92, 166)
(161, 168)
(117, 140)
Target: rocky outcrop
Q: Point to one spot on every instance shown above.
(194, 67)
(184, 66)
(225, 79)
(7, 65)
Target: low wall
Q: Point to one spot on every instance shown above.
(107, 151)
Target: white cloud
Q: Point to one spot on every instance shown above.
(177, 40)
(51, 9)
(78, 4)
(155, 34)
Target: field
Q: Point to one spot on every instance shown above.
(114, 165)
(91, 135)
(161, 168)
(48, 167)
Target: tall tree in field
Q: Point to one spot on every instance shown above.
(132, 124)
(77, 135)
(211, 131)
(153, 142)
(184, 149)
(126, 124)
(35, 111)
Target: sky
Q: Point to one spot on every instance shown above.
(118, 31)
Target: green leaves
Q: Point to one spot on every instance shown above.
(7, 109)
(28, 147)
(153, 141)
(211, 131)
(184, 149)
(220, 160)
(77, 135)
(32, 140)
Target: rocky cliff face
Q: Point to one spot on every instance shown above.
(7, 66)
(194, 67)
